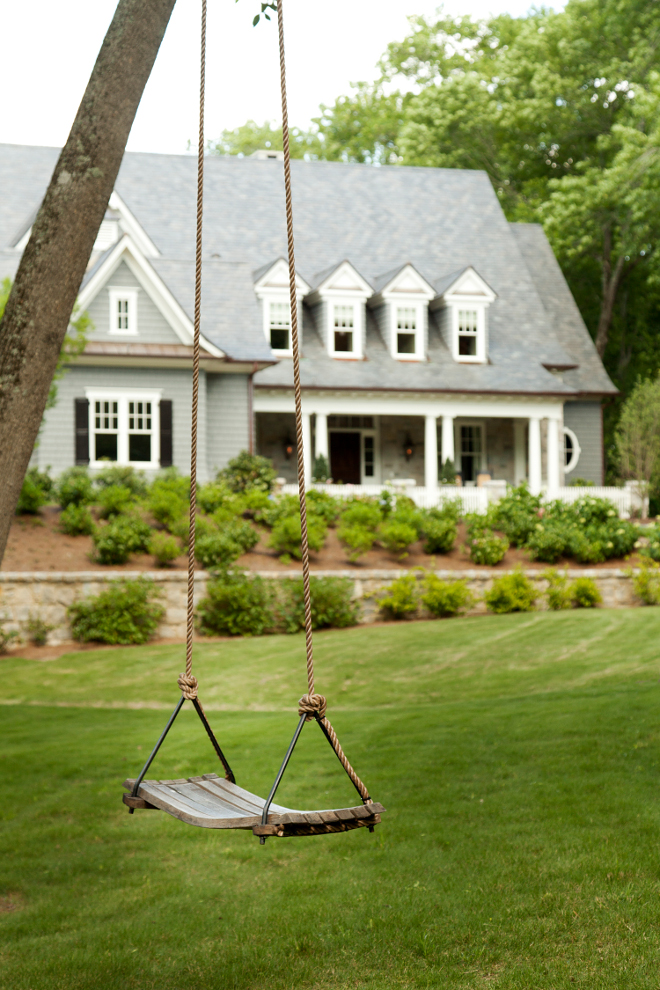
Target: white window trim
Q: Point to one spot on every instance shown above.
(577, 450)
(482, 349)
(420, 333)
(458, 456)
(268, 300)
(357, 306)
(116, 292)
(122, 397)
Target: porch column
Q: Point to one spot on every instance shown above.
(307, 447)
(448, 439)
(553, 455)
(519, 455)
(534, 455)
(431, 451)
(321, 439)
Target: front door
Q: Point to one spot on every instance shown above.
(345, 458)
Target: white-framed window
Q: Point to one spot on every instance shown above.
(279, 326)
(123, 311)
(572, 450)
(343, 329)
(124, 427)
(468, 330)
(469, 333)
(470, 447)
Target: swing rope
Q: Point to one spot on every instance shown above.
(311, 705)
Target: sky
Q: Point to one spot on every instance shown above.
(49, 49)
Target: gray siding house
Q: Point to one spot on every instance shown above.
(432, 328)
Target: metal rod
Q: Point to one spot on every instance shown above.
(229, 774)
(136, 785)
(264, 815)
(327, 736)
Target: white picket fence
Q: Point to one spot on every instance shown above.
(473, 499)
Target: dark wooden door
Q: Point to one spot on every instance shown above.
(345, 458)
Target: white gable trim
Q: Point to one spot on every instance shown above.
(406, 282)
(131, 226)
(344, 280)
(126, 250)
(469, 286)
(276, 280)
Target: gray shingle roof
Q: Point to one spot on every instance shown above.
(440, 220)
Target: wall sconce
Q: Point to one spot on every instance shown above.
(288, 448)
(408, 448)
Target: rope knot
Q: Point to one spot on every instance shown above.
(310, 704)
(188, 686)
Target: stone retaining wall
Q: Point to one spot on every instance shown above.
(47, 595)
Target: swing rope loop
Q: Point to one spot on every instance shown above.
(188, 683)
(311, 704)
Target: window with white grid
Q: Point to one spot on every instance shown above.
(468, 329)
(123, 311)
(280, 326)
(406, 330)
(124, 427)
(344, 326)
(105, 430)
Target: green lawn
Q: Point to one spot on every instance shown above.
(518, 758)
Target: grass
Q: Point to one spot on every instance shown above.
(518, 758)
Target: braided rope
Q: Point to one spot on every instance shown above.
(188, 683)
(310, 703)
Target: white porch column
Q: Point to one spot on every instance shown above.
(448, 439)
(534, 455)
(431, 451)
(553, 455)
(519, 453)
(307, 447)
(321, 438)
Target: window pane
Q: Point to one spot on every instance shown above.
(405, 343)
(106, 447)
(280, 315)
(343, 341)
(467, 321)
(369, 457)
(279, 339)
(139, 447)
(467, 346)
(131, 408)
(406, 319)
(344, 318)
(568, 449)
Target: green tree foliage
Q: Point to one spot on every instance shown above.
(638, 435)
(243, 141)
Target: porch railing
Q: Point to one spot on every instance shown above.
(474, 499)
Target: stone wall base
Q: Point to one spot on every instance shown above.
(47, 595)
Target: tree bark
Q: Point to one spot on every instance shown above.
(38, 310)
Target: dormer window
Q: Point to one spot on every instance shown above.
(272, 289)
(463, 299)
(280, 326)
(123, 311)
(406, 330)
(344, 325)
(401, 309)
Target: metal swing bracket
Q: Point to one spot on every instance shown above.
(133, 800)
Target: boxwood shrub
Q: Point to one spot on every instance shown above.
(76, 520)
(511, 593)
(237, 605)
(125, 612)
(446, 598)
(332, 600)
(117, 540)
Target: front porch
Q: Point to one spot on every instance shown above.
(383, 441)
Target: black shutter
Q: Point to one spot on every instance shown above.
(82, 430)
(166, 433)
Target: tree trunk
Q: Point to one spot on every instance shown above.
(37, 314)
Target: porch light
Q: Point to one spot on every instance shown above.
(288, 448)
(408, 448)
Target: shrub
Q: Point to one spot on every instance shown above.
(255, 503)
(323, 505)
(321, 469)
(167, 507)
(281, 508)
(7, 637)
(216, 495)
(652, 549)
(165, 548)
(557, 592)
(248, 471)
(448, 473)
(333, 604)
(286, 536)
(223, 547)
(357, 541)
(33, 493)
(588, 510)
(397, 536)
(74, 487)
(585, 547)
(511, 593)
(76, 520)
(584, 593)
(114, 500)
(126, 612)
(125, 477)
(445, 598)
(236, 604)
(487, 549)
(439, 534)
(366, 514)
(517, 514)
(646, 583)
(401, 598)
(547, 541)
(115, 542)
(38, 630)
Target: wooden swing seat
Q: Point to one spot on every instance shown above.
(211, 801)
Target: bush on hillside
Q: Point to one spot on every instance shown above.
(114, 500)
(217, 495)
(446, 598)
(356, 540)
(237, 605)
(547, 541)
(438, 534)
(164, 548)
(332, 602)
(248, 471)
(363, 513)
(487, 549)
(222, 547)
(651, 549)
(397, 537)
(517, 514)
(125, 477)
(646, 582)
(117, 540)
(286, 536)
(31, 498)
(511, 593)
(74, 487)
(323, 505)
(126, 612)
(76, 520)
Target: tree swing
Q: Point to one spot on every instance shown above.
(211, 801)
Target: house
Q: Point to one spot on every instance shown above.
(432, 328)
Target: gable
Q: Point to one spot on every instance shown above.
(152, 326)
(470, 283)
